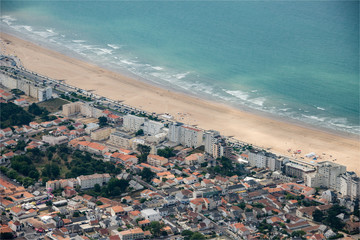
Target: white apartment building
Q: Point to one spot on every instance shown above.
(81, 108)
(120, 139)
(349, 185)
(44, 94)
(132, 123)
(257, 159)
(326, 175)
(191, 137)
(89, 181)
(211, 138)
(152, 127)
(175, 132)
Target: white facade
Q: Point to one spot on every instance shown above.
(326, 175)
(349, 185)
(89, 181)
(257, 159)
(152, 127)
(191, 137)
(175, 132)
(45, 94)
(210, 140)
(151, 214)
(132, 123)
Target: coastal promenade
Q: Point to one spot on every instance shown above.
(133, 95)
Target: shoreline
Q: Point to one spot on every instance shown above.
(251, 126)
(202, 96)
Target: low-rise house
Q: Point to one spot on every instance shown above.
(7, 132)
(34, 125)
(20, 102)
(151, 214)
(195, 158)
(156, 160)
(132, 234)
(117, 211)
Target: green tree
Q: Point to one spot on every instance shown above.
(299, 233)
(139, 133)
(155, 227)
(318, 216)
(102, 121)
(144, 152)
(35, 109)
(147, 175)
(97, 188)
(197, 236)
(20, 145)
(166, 152)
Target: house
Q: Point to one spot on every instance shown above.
(46, 124)
(15, 226)
(156, 160)
(352, 227)
(132, 234)
(195, 158)
(144, 223)
(34, 125)
(151, 214)
(10, 143)
(117, 211)
(7, 132)
(20, 102)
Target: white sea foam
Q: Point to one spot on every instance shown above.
(27, 28)
(46, 34)
(320, 108)
(181, 75)
(113, 46)
(239, 94)
(8, 19)
(127, 62)
(102, 51)
(78, 41)
(316, 118)
(258, 101)
(156, 67)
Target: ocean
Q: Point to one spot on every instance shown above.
(297, 60)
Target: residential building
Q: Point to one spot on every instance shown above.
(132, 123)
(211, 137)
(191, 137)
(89, 181)
(132, 234)
(175, 132)
(120, 139)
(101, 134)
(55, 140)
(195, 158)
(152, 127)
(151, 214)
(156, 160)
(349, 185)
(326, 175)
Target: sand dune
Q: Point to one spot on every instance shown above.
(252, 128)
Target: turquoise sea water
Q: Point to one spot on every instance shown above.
(295, 59)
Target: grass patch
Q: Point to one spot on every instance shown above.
(53, 105)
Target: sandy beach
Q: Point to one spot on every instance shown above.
(248, 127)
